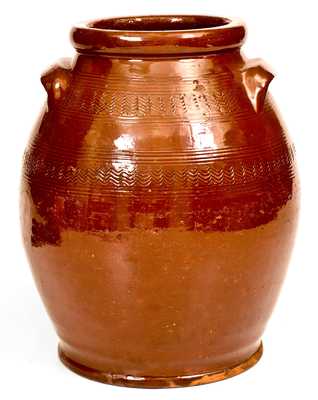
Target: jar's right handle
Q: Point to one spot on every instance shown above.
(256, 79)
(56, 80)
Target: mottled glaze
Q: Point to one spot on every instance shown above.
(159, 201)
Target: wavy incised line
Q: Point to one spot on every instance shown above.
(159, 193)
(100, 102)
(122, 176)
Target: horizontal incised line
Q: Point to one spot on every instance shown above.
(171, 88)
(209, 76)
(188, 156)
(164, 119)
(108, 120)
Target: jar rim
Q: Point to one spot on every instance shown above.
(158, 35)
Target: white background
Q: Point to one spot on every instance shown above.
(35, 34)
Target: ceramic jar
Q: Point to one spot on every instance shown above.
(159, 201)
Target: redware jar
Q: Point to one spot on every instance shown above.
(159, 201)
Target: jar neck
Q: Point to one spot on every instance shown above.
(152, 67)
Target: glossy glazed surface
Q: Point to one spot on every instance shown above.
(159, 201)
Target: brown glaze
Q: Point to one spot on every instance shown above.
(159, 201)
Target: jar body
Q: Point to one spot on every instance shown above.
(159, 209)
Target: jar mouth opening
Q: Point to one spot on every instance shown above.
(158, 35)
(159, 23)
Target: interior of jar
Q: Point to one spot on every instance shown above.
(160, 23)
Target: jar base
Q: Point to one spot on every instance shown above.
(157, 381)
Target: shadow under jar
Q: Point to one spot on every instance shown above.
(159, 201)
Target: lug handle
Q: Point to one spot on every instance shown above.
(56, 80)
(256, 79)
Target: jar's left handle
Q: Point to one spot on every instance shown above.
(56, 80)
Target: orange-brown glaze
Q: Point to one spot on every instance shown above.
(159, 201)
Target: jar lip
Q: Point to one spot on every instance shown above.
(158, 35)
